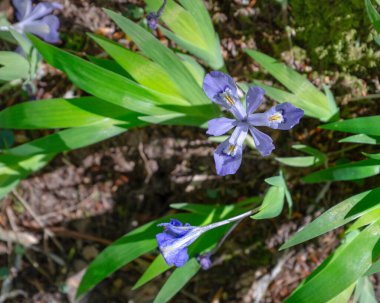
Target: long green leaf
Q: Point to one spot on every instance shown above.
(61, 113)
(361, 138)
(144, 71)
(352, 171)
(310, 109)
(297, 84)
(339, 272)
(191, 27)
(69, 139)
(177, 281)
(162, 55)
(103, 83)
(339, 215)
(365, 125)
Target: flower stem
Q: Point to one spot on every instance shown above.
(230, 220)
(161, 9)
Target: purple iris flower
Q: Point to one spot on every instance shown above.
(205, 261)
(222, 90)
(176, 238)
(37, 19)
(153, 17)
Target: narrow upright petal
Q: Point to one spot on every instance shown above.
(291, 114)
(255, 97)
(239, 134)
(263, 142)
(23, 8)
(43, 9)
(227, 158)
(219, 126)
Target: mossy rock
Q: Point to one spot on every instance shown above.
(336, 33)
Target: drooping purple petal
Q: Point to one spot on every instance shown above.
(43, 9)
(227, 164)
(23, 8)
(176, 228)
(291, 114)
(219, 126)
(263, 142)
(47, 28)
(216, 83)
(164, 239)
(255, 97)
(179, 259)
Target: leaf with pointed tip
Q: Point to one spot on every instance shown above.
(338, 272)
(351, 171)
(162, 55)
(272, 205)
(361, 138)
(104, 84)
(314, 100)
(69, 139)
(339, 215)
(364, 125)
(62, 113)
(143, 70)
(177, 280)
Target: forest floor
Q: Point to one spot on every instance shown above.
(86, 199)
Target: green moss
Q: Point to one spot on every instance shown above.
(335, 32)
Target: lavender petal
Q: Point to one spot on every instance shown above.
(215, 83)
(255, 97)
(239, 134)
(291, 114)
(179, 259)
(23, 8)
(43, 9)
(226, 164)
(263, 142)
(47, 28)
(219, 126)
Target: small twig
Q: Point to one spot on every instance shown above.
(13, 294)
(62, 232)
(146, 163)
(351, 147)
(37, 218)
(192, 296)
(361, 98)
(323, 192)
